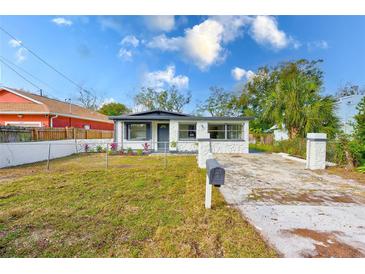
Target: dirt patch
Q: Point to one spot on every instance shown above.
(283, 197)
(347, 174)
(326, 244)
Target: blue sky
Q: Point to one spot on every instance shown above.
(115, 56)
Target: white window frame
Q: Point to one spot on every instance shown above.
(187, 139)
(226, 131)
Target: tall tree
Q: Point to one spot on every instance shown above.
(359, 125)
(250, 102)
(219, 103)
(88, 99)
(170, 99)
(350, 89)
(289, 95)
(113, 109)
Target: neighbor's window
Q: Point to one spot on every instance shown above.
(137, 132)
(187, 131)
(225, 131)
(217, 131)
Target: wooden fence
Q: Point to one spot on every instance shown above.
(17, 134)
(261, 138)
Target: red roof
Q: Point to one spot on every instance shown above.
(43, 105)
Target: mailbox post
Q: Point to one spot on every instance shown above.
(215, 177)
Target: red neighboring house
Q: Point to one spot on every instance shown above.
(21, 108)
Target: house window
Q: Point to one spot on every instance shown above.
(225, 131)
(217, 131)
(234, 132)
(137, 132)
(187, 131)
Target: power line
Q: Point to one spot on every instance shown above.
(30, 74)
(41, 59)
(24, 78)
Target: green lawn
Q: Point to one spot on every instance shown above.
(135, 208)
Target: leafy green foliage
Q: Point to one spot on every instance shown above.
(361, 169)
(168, 99)
(359, 127)
(219, 103)
(113, 109)
(289, 95)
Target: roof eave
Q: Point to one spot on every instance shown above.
(192, 118)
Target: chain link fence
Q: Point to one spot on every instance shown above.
(103, 154)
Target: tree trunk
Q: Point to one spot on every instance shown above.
(349, 160)
(293, 132)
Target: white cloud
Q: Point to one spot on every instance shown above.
(15, 43)
(61, 21)
(204, 44)
(125, 54)
(201, 43)
(21, 53)
(240, 73)
(107, 101)
(233, 25)
(130, 40)
(167, 77)
(110, 22)
(160, 22)
(322, 44)
(164, 43)
(264, 30)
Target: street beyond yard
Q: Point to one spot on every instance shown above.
(135, 208)
(301, 212)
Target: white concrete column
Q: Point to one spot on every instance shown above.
(118, 133)
(174, 134)
(246, 136)
(316, 151)
(202, 130)
(204, 149)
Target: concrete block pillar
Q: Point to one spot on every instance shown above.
(316, 151)
(174, 135)
(204, 149)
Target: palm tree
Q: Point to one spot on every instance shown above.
(294, 100)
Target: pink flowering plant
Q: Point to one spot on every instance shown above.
(114, 146)
(146, 147)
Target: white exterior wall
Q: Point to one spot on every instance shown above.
(217, 146)
(229, 147)
(13, 154)
(281, 134)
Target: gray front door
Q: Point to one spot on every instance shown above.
(163, 137)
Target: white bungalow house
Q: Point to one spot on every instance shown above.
(178, 132)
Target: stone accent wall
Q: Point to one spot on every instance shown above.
(229, 147)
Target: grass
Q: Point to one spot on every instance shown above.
(135, 208)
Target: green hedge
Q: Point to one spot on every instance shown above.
(336, 149)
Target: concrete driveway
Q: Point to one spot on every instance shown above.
(299, 212)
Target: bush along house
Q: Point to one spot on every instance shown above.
(25, 109)
(177, 132)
